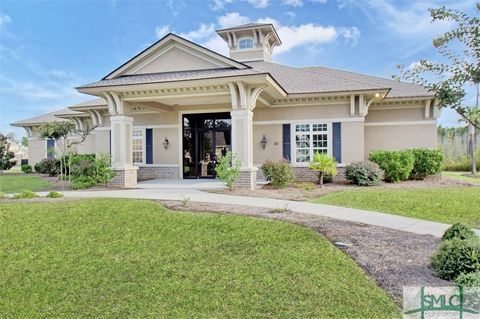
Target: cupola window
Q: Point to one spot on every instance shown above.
(246, 43)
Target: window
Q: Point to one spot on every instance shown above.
(245, 44)
(310, 138)
(138, 146)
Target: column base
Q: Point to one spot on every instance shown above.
(124, 177)
(247, 178)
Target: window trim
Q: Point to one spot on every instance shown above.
(143, 138)
(293, 143)
(246, 38)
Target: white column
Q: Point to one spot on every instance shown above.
(121, 127)
(242, 136)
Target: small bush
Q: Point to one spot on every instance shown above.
(54, 194)
(25, 194)
(469, 280)
(458, 231)
(426, 162)
(81, 164)
(83, 182)
(228, 169)
(3, 195)
(279, 173)
(455, 257)
(364, 173)
(50, 166)
(27, 169)
(396, 165)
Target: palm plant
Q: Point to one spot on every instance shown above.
(324, 164)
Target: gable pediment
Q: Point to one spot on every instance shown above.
(171, 54)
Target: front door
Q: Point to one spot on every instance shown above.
(206, 137)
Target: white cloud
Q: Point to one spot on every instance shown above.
(293, 3)
(259, 4)
(232, 19)
(162, 30)
(291, 14)
(4, 19)
(204, 31)
(319, 1)
(217, 5)
(351, 35)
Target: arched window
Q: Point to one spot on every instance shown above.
(246, 43)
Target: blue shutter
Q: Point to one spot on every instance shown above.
(50, 148)
(337, 141)
(286, 142)
(110, 142)
(149, 145)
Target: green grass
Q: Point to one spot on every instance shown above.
(135, 259)
(446, 205)
(10, 183)
(461, 176)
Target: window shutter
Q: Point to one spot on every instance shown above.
(110, 142)
(286, 142)
(337, 141)
(149, 145)
(50, 146)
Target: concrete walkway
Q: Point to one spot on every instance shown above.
(178, 192)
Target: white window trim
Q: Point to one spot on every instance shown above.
(293, 144)
(143, 137)
(246, 38)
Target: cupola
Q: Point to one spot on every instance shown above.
(251, 42)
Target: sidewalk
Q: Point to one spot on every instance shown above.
(355, 215)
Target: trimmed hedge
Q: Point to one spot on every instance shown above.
(426, 162)
(457, 256)
(396, 165)
(27, 169)
(279, 173)
(364, 173)
(50, 166)
(458, 231)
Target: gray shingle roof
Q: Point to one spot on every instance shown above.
(47, 117)
(95, 102)
(171, 77)
(398, 89)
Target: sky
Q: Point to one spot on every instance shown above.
(49, 47)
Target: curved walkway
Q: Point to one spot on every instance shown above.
(178, 192)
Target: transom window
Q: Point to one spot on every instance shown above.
(245, 44)
(138, 146)
(310, 138)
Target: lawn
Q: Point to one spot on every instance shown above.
(461, 176)
(131, 258)
(14, 183)
(446, 205)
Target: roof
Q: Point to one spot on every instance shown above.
(247, 25)
(94, 102)
(43, 118)
(398, 89)
(163, 77)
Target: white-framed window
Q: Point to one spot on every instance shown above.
(138, 146)
(308, 139)
(246, 43)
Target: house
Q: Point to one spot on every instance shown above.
(174, 108)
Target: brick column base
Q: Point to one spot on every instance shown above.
(247, 178)
(125, 177)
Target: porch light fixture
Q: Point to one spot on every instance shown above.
(166, 143)
(263, 142)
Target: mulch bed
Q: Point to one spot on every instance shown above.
(392, 258)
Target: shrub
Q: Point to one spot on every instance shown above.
(469, 280)
(54, 194)
(324, 164)
(27, 169)
(457, 256)
(396, 165)
(279, 173)
(25, 194)
(458, 231)
(426, 162)
(364, 173)
(81, 164)
(228, 169)
(83, 182)
(50, 166)
(3, 195)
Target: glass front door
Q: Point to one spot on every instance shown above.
(206, 137)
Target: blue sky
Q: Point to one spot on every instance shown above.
(48, 48)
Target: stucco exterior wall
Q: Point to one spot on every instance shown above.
(88, 146)
(402, 114)
(37, 150)
(302, 112)
(102, 142)
(273, 149)
(353, 140)
(162, 155)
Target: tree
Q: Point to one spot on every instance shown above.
(324, 164)
(24, 141)
(228, 169)
(460, 47)
(59, 132)
(6, 156)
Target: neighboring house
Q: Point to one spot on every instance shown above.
(20, 151)
(171, 110)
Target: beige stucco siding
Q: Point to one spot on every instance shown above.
(88, 146)
(273, 149)
(400, 137)
(102, 142)
(162, 155)
(402, 114)
(352, 141)
(302, 112)
(164, 118)
(37, 150)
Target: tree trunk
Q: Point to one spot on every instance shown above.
(320, 178)
(471, 141)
